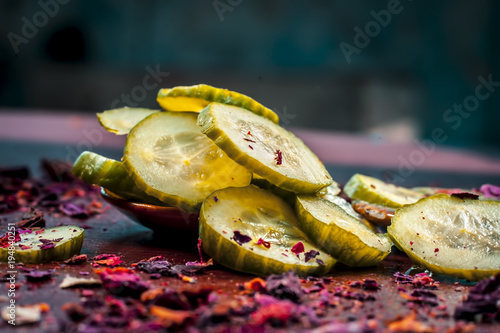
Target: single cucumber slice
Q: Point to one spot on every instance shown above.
(95, 169)
(264, 148)
(120, 121)
(373, 190)
(196, 98)
(233, 220)
(53, 244)
(450, 235)
(169, 158)
(349, 239)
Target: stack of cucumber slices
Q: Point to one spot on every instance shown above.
(266, 202)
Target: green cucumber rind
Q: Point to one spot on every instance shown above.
(220, 95)
(344, 248)
(98, 170)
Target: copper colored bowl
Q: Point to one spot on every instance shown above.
(151, 216)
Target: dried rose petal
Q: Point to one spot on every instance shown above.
(39, 275)
(77, 259)
(7, 238)
(33, 219)
(73, 210)
(122, 281)
(490, 191)
(240, 238)
(466, 195)
(279, 157)
(264, 243)
(298, 248)
(481, 303)
(284, 286)
(311, 255)
(156, 266)
(107, 260)
(420, 280)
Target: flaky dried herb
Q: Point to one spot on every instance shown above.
(35, 275)
(311, 255)
(32, 219)
(240, 238)
(77, 259)
(482, 302)
(122, 281)
(264, 243)
(490, 191)
(419, 280)
(279, 157)
(284, 286)
(107, 260)
(465, 195)
(298, 248)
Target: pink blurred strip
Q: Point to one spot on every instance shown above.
(331, 147)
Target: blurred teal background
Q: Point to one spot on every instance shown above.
(412, 61)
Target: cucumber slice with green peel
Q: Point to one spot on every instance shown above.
(264, 148)
(450, 235)
(373, 190)
(233, 220)
(349, 239)
(169, 158)
(95, 169)
(196, 98)
(53, 244)
(121, 121)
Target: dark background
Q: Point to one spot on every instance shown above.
(87, 55)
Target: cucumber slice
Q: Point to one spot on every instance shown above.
(264, 148)
(95, 169)
(169, 158)
(196, 98)
(67, 241)
(120, 121)
(373, 190)
(348, 238)
(257, 214)
(450, 235)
